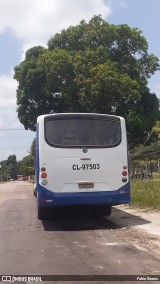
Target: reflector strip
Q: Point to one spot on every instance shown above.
(44, 201)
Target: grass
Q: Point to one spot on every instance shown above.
(145, 194)
(156, 175)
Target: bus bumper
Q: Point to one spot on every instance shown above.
(46, 198)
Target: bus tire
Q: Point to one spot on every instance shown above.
(108, 210)
(102, 210)
(43, 213)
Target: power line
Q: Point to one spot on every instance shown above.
(8, 149)
(13, 129)
(13, 137)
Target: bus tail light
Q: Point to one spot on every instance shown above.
(124, 167)
(43, 175)
(124, 173)
(43, 169)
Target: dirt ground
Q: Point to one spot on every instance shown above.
(143, 226)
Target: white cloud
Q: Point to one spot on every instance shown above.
(8, 113)
(36, 21)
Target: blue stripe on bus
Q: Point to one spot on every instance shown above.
(116, 197)
(37, 155)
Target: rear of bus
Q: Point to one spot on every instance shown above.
(81, 160)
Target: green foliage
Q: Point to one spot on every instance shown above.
(25, 166)
(12, 166)
(143, 152)
(91, 67)
(9, 168)
(33, 149)
(3, 170)
(141, 119)
(156, 129)
(12, 160)
(145, 194)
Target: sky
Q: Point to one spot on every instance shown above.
(27, 23)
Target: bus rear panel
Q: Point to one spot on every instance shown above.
(81, 159)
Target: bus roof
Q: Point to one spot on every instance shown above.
(77, 114)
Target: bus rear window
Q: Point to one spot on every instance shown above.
(82, 132)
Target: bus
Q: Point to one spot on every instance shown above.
(81, 160)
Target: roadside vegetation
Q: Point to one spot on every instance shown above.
(11, 168)
(146, 193)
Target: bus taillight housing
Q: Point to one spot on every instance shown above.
(43, 176)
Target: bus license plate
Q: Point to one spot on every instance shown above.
(86, 185)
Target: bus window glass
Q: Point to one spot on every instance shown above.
(82, 132)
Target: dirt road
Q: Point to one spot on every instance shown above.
(73, 242)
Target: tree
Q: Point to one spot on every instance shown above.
(33, 149)
(32, 155)
(12, 166)
(12, 160)
(156, 129)
(91, 67)
(27, 165)
(3, 170)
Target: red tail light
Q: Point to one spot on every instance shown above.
(43, 175)
(43, 169)
(124, 173)
(124, 167)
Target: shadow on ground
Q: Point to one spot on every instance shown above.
(79, 219)
(125, 219)
(75, 219)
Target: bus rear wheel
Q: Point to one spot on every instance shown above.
(102, 210)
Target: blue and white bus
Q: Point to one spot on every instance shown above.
(81, 159)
